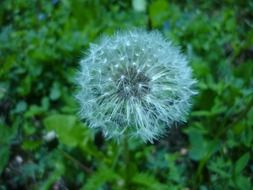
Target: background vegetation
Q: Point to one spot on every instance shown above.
(41, 43)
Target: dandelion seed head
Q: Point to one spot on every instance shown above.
(134, 83)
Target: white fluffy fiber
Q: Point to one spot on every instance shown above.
(135, 83)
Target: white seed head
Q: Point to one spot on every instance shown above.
(150, 85)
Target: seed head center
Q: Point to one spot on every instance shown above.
(131, 82)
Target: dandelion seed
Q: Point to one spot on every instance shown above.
(139, 93)
(104, 61)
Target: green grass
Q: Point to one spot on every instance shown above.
(41, 43)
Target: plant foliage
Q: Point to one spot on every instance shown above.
(43, 144)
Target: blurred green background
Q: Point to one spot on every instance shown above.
(41, 43)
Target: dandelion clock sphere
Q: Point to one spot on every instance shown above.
(134, 83)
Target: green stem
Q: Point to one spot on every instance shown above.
(126, 162)
(75, 161)
(117, 156)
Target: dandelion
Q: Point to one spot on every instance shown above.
(134, 83)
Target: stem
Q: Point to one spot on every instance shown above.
(117, 156)
(126, 160)
(74, 160)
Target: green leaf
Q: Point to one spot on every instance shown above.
(34, 110)
(174, 172)
(7, 134)
(243, 183)
(158, 12)
(250, 117)
(100, 178)
(200, 147)
(31, 145)
(4, 157)
(55, 92)
(69, 131)
(20, 107)
(148, 181)
(241, 163)
(220, 167)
